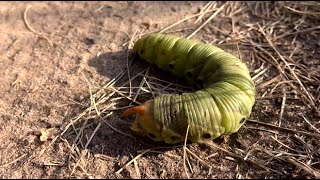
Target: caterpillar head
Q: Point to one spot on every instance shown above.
(144, 124)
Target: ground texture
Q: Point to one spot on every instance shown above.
(67, 67)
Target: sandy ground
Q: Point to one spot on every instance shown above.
(53, 54)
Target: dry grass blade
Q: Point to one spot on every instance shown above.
(265, 84)
(290, 69)
(31, 29)
(131, 161)
(204, 9)
(12, 162)
(286, 129)
(26, 21)
(312, 126)
(185, 19)
(93, 105)
(302, 12)
(136, 167)
(140, 87)
(92, 98)
(267, 48)
(184, 152)
(210, 144)
(259, 74)
(54, 163)
(197, 157)
(208, 20)
(94, 132)
(304, 166)
(282, 107)
(127, 64)
(288, 146)
(260, 129)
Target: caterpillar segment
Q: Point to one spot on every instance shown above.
(220, 106)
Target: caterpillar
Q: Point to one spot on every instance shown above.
(221, 106)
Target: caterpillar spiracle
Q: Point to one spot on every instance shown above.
(221, 106)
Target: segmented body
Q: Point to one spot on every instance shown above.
(220, 107)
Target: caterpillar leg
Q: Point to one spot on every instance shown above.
(144, 124)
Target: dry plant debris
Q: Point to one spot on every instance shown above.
(46, 134)
(281, 72)
(280, 43)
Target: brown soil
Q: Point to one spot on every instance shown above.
(54, 55)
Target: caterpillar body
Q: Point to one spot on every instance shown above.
(221, 106)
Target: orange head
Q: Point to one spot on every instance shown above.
(145, 124)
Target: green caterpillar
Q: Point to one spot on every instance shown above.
(220, 107)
